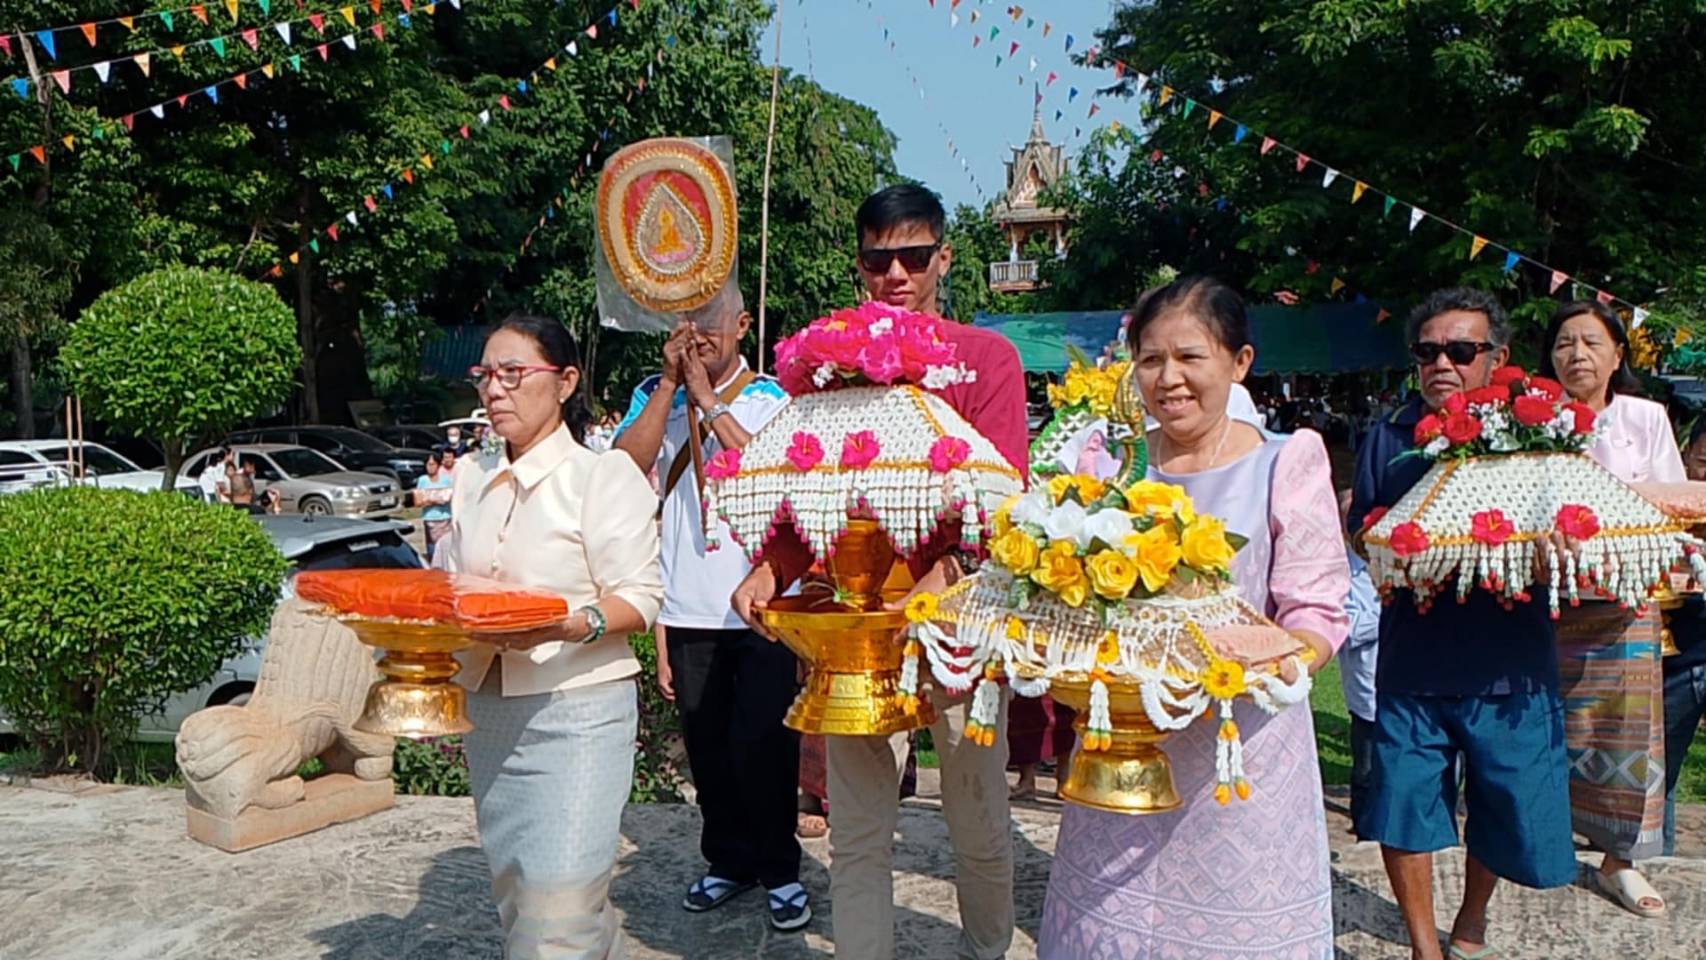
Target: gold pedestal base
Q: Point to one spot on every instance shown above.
(1133, 775)
(417, 698)
(853, 689)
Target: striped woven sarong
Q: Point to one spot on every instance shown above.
(1613, 689)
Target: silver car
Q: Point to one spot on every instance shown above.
(309, 543)
(308, 481)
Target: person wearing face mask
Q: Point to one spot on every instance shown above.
(1137, 887)
(902, 260)
(555, 710)
(1609, 658)
(731, 686)
(1467, 681)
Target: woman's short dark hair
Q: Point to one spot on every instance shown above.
(1623, 379)
(560, 350)
(1216, 304)
(898, 206)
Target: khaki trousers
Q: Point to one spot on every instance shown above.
(864, 786)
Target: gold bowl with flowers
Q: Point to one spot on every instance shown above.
(851, 640)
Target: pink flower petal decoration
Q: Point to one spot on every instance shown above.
(805, 452)
(947, 453)
(724, 465)
(858, 450)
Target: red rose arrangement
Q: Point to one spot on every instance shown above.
(1515, 413)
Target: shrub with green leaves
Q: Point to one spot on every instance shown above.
(181, 356)
(111, 601)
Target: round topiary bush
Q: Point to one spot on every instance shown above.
(182, 355)
(111, 601)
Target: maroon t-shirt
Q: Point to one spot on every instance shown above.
(994, 405)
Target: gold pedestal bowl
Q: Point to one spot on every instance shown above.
(851, 642)
(1132, 775)
(417, 698)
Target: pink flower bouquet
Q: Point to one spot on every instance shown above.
(870, 345)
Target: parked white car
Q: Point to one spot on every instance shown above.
(308, 481)
(309, 543)
(25, 464)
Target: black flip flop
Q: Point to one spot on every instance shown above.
(709, 893)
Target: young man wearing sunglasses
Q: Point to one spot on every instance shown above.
(1469, 682)
(902, 260)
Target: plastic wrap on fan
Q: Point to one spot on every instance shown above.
(674, 243)
(475, 604)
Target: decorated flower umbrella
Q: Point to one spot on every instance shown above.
(866, 464)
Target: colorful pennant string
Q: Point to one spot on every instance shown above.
(126, 123)
(413, 170)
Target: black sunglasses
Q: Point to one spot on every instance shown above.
(1459, 351)
(914, 259)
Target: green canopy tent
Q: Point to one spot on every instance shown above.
(1322, 339)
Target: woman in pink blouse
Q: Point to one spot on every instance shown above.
(1608, 658)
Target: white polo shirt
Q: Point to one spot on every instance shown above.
(697, 584)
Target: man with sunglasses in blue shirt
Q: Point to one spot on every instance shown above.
(1471, 682)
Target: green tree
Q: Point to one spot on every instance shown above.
(1564, 128)
(111, 601)
(181, 355)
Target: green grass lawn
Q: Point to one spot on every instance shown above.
(1333, 740)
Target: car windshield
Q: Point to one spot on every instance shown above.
(301, 462)
(354, 439)
(101, 461)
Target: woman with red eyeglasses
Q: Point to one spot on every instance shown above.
(554, 710)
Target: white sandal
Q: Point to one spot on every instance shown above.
(1629, 887)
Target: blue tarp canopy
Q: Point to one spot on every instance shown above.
(1326, 338)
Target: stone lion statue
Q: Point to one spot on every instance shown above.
(313, 683)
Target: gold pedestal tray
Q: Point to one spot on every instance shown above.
(853, 689)
(417, 698)
(1131, 776)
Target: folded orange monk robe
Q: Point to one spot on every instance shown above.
(474, 604)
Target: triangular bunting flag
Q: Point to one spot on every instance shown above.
(70, 142)
(40, 153)
(276, 271)
(1094, 107)
(1071, 94)
(349, 40)
(503, 101)
(1013, 49)
(1328, 178)
(1302, 161)
(375, 4)
(387, 191)
(1033, 64)
(1391, 202)
(158, 110)
(613, 16)
(183, 101)
(266, 6)
(130, 121)
(332, 231)
(551, 64)
(464, 131)
(199, 12)
(318, 22)
(314, 244)
(103, 70)
(141, 60)
(212, 93)
(63, 78)
(592, 31)
(45, 38)
(1337, 285)
(241, 80)
(1416, 215)
(379, 30)
(1189, 106)
(1057, 116)
(296, 257)
(1166, 95)
(1639, 317)
(267, 69)
(88, 33)
(14, 160)
(252, 37)
(6, 44)
(408, 176)
(1239, 134)
(1476, 246)
(218, 45)
(485, 117)
(1382, 316)
(295, 61)
(1604, 296)
(351, 220)
(166, 18)
(349, 14)
(573, 50)
(408, 6)
(1512, 258)
(371, 204)
(231, 5)
(21, 87)
(1069, 43)
(1213, 118)
(444, 147)
(1558, 278)
(129, 23)
(323, 52)
(1358, 190)
(1268, 143)
(404, 21)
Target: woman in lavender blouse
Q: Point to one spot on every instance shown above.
(1609, 659)
(1249, 880)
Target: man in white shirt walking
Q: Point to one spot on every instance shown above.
(731, 685)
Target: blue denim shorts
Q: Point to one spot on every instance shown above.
(1516, 781)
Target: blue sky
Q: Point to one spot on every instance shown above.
(983, 108)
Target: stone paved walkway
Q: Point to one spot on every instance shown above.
(108, 874)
